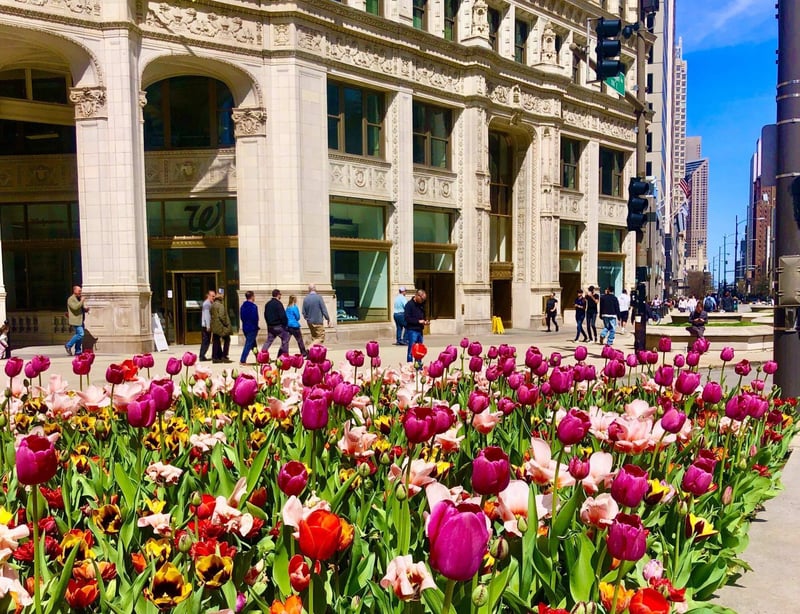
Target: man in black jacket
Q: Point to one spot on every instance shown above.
(415, 321)
(277, 323)
(609, 312)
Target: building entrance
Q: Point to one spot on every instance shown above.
(190, 292)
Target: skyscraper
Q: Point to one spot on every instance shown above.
(759, 235)
(697, 228)
(679, 213)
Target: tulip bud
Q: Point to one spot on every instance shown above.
(385, 459)
(196, 498)
(522, 525)
(101, 429)
(499, 549)
(583, 607)
(727, 495)
(3, 420)
(480, 596)
(185, 542)
(364, 470)
(400, 492)
(355, 603)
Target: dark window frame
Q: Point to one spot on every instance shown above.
(611, 176)
(366, 124)
(419, 14)
(521, 46)
(451, 8)
(428, 138)
(495, 19)
(571, 162)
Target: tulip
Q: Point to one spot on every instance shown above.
(146, 361)
(464, 343)
(298, 361)
(14, 366)
(533, 358)
(419, 424)
(573, 427)
(491, 471)
(757, 407)
(443, 419)
(701, 345)
(244, 390)
(319, 535)
(407, 579)
(581, 353)
(474, 349)
(343, 394)
(527, 394)
(40, 363)
(436, 369)
(312, 375)
(726, 354)
(141, 412)
(81, 364)
(418, 351)
(614, 369)
(292, 478)
(161, 393)
(30, 370)
(188, 359)
(80, 594)
(372, 349)
(507, 365)
(649, 601)
(560, 380)
(115, 375)
(36, 460)
(627, 538)
(542, 369)
(174, 366)
(458, 538)
(506, 405)
(578, 468)
(262, 357)
(742, 367)
(515, 380)
(672, 421)
(653, 570)
(629, 486)
(492, 352)
(478, 401)
(493, 372)
(664, 375)
(664, 344)
(607, 352)
(770, 367)
(555, 359)
(679, 361)
(697, 479)
(314, 411)
(687, 382)
(475, 364)
(692, 359)
(736, 407)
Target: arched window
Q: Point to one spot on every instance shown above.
(188, 113)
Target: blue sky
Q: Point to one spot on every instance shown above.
(729, 46)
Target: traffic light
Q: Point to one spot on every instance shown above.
(608, 48)
(638, 191)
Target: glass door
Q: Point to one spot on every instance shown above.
(190, 292)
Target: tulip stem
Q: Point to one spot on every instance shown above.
(617, 583)
(37, 570)
(448, 596)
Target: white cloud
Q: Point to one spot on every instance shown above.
(711, 24)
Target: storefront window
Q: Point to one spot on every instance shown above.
(356, 221)
(611, 259)
(360, 279)
(431, 227)
(569, 263)
(434, 260)
(208, 218)
(609, 273)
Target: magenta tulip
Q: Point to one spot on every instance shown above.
(30, 370)
(630, 485)
(115, 375)
(312, 375)
(614, 369)
(757, 407)
(355, 358)
(314, 411)
(188, 359)
(141, 412)
(701, 345)
(527, 394)
(81, 364)
(533, 358)
(742, 367)
(555, 359)
(573, 427)
(679, 361)
(317, 353)
(581, 353)
(435, 369)
(372, 349)
(542, 369)
(673, 420)
(478, 401)
(664, 375)
(693, 358)
(492, 352)
(697, 479)
(292, 478)
(491, 471)
(560, 380)
(507, 365)
(632, 360)
(464, 343)
(443, 419)
(146, 361)
(262, 357)
(14, 366)
(174, 366)
(607, 352)
(687, 382)
(40, 363)
(579, 468)
(36, 460)
(419, 424)
(736, 407)
(770, 367)
(161, 393)
(244, 390)
(475, 364)
(474, 349)
(726, 354)
(493, 372)
(712, 393)
(458, 538)
(627, 538)
(665, 344)
(515, 380)
(343, 394)
(506, 405)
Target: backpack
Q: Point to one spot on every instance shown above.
(709, 304)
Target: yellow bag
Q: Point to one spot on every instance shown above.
(497, 326)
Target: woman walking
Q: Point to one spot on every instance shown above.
(293, 315)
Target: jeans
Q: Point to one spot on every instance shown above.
(298, 336)
(220, 346)
(551, 317)
(412, 336)
(77, 340)
(591, 329)
(580, 331)
(400, 324)
(205, 342)
(249, 344)
(281, 333)
(610, 329)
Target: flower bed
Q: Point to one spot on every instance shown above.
(481, 481)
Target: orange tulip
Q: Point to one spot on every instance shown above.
(319, 535)
(293, 605)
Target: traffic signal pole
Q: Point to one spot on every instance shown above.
(640, 326)
(786, 346)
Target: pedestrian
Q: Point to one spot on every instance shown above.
(205, 325)
(609, 312)
(277, 323)
(5, 351)
(415, 321)
(293, 326)
(76, 314)
(709, 303)
(248, 317)
(691, 303)
(314, 311)
(580, 315)
(727, 302)
(551, 311)
(400, 316)
(624, 309)
(697, 322)
(592, 302)
(220, 331)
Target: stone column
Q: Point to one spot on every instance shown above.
(111, 202)
(402, 226)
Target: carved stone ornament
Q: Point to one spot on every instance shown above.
(549, 54)
(90, 102)
(480, 19)
(249, 122)
(83, 7)
(281, 32)
(142, 99)
(188, 20)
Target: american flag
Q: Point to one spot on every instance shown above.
(687, 188)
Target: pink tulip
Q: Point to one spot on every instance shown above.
(533, 358)
(314, 411)
(355, 358)
(475, 364)
(581, 353)
(665, 344)
(372, 349)
(673, 420)
(474, 349)
(770, 367)
(407, 578)
(141, 412)
(458, 538)
(697, 479)
(687, 382)
(664, 375)
(478, 401)
(599, 511)
(485, 422)
(726, 354)
(81, 364)
(244, 390)
(14, 366)
(435, 369)
(188, 359)
(573, 427)
(36, 460)
(419, 424)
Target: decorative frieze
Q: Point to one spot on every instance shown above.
(352, 178)
(435, 189)
(90, 102)
(516, 98)
(195, 171)
(58, 173)
(587, 120)
(249, 121)
(612, 212)
(202, 23)
(572, 206)
(69, 7)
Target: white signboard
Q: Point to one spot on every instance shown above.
(158, 335)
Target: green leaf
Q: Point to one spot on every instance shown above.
(280, 571)
(581, 572)
(56, 595)
(125, 484)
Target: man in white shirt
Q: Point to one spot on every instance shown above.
(624, 300)
(399, 309)
(205, 324)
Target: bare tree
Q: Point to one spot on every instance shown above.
(699, 282)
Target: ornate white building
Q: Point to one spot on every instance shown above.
(151, 151)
